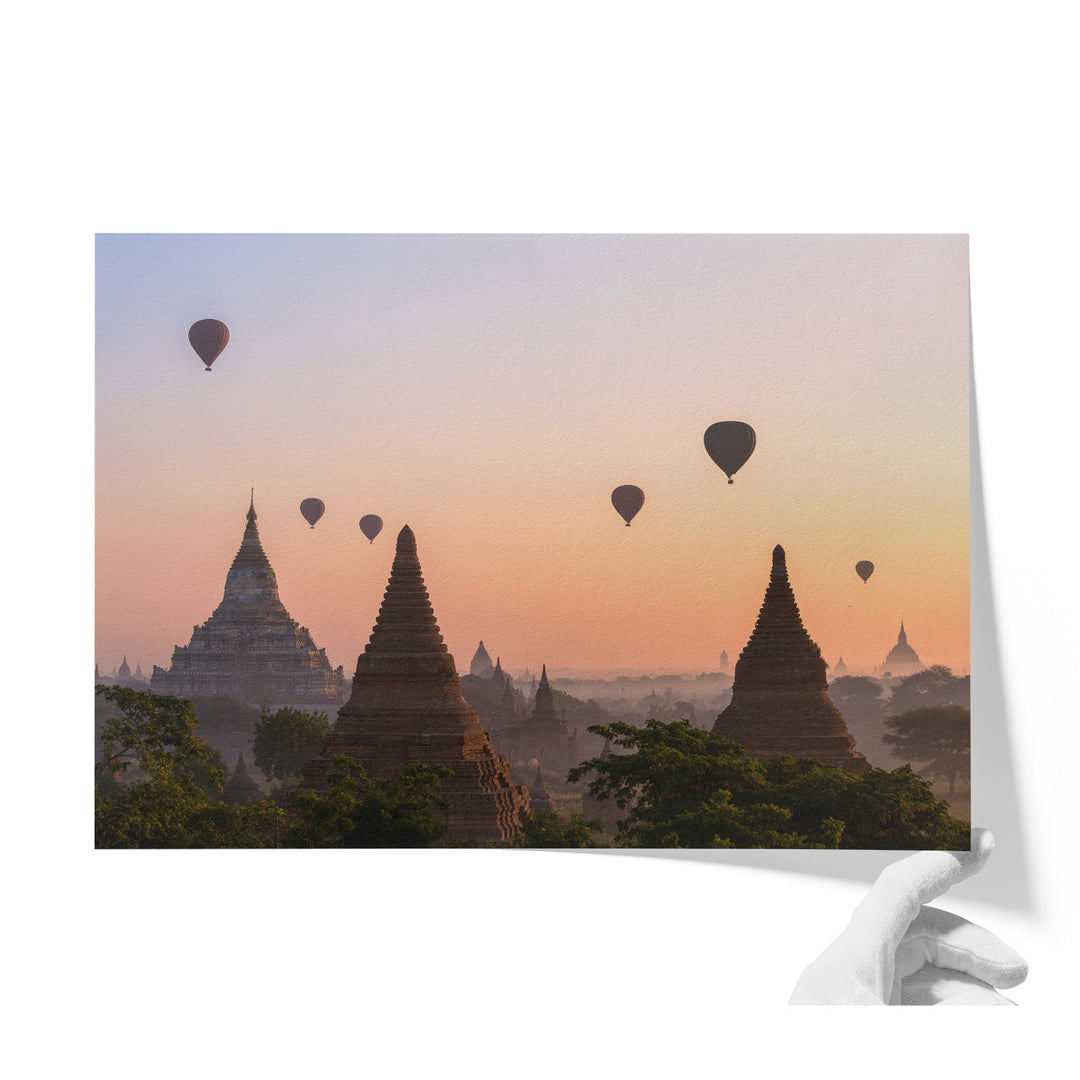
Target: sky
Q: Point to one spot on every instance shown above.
(491, 391)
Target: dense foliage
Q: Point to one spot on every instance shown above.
(546, 830)
(685, 787)
(157, 781)
(285, 739)
(939, 737)
(158, 784)
(357, 811)
(935, 685)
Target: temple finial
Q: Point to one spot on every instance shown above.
(779, 562)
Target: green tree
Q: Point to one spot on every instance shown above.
(939, 736)
(857, 696)
(935, 685)
(358, 811)
(545, 830)
(876, 809)
(285, 739)
(684, 787)
(171, 774)
(859, 699)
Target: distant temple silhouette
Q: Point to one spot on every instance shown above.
(406, 708)
(902, 658)
(241, 788)
(780, 701)
(250, 648)
(481, 663)
(541, 734)
(539, 796)
(123, 677)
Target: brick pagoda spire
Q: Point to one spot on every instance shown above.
(406, 707)
(780, 701)
(543, 717)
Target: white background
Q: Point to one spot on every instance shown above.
(826, 117)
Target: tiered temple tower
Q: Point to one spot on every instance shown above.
(780, 701)
(250, 648)
(902, 658)
(406, 708)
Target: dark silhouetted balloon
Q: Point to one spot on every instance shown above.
(371, 526)
(628, 500)
(208, 338)
(312, 509)
(864, 569)
(730, 443)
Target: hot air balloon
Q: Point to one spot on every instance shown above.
(730, 443)
(371, 526)
(312, 509)
(864, 569)
(628, 500)
(208, 338)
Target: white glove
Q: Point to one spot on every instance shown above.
(895, 951)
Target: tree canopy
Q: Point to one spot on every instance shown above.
(935, 685)
(359, 811)
(937, 736)
(157, 780)
(857, 696)
(685, 787)
(285, 739)
(546, 830)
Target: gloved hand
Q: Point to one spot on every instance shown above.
(895, 951)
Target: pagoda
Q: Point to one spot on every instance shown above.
(902, 658)
(542, 734)
(406, 708)
(249, 648)
(505, 717)
(241, 788)
(539, 796)
(780, 701)
(481, 663)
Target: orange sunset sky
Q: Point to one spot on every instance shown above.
(491, 391)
